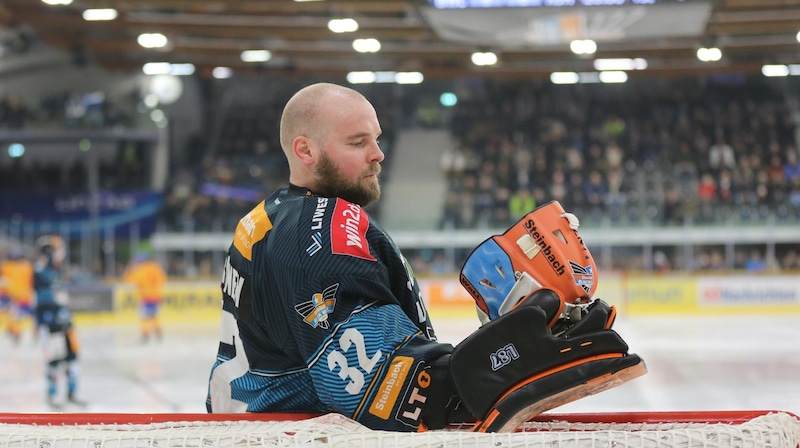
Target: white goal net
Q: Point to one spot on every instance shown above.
(662, 430)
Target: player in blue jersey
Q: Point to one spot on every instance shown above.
(55, 328)
(322, 313)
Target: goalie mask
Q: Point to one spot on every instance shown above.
(542, 250)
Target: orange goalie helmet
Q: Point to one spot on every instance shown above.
(542, 250)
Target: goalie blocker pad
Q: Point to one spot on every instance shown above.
(512, 368)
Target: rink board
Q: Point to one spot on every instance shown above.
(672, 294)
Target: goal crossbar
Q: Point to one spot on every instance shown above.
(706, 429)
(58, 418)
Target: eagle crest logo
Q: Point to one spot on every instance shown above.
(315, 311)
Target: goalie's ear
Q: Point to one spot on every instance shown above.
(542, 250)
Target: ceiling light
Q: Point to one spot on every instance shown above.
(613, 77)
(343, 25)
(484, 58)
(448, 99)
(408, 78)
(181, 69)
(585, 46)
(16, 150)
(367, 45)
(222, 72)
(152, 40)
(165, 68)
(620, 64)
(361, 77)
(564, 78)
(156, 68)
(367, 77)
(712, 54)
(57, 2)
(94, 15)
(166, 89)
(577, 78)
(775, 70)
(256, 55)
(798, 36)
(584, 77)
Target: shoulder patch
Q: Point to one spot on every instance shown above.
(349, 226)
(250, 230)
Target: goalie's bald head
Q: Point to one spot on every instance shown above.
(307, 111)
(329, 134)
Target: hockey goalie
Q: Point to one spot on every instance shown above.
(343, 329)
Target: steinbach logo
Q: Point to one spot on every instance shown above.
(546, 249)
(391, 386)
(248, 224)
(349, 231)
(315, 311)
(251, 229)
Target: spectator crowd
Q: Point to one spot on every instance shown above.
(659, 152)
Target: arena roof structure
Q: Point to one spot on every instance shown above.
(435, 37)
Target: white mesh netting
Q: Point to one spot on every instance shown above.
(774, 429)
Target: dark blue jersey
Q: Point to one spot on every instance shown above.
(45, 280)
(321, 313)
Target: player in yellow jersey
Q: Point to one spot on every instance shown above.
(149, 278)
(17, 275)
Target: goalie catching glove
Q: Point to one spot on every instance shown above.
(545, 341)
(542, 250)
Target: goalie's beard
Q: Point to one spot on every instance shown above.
(332, 183)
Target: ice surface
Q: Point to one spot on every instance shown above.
(694, 363)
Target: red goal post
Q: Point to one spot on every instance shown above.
(708, 429)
